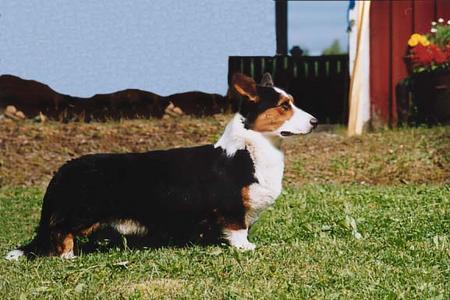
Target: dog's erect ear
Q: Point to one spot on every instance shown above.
(266, 80)
(245, 86)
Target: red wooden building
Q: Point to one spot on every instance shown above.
(391, 25)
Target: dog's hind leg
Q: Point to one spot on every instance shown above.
(63, 243)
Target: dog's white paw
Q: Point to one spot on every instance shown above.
(68, 255)
(246, 246)
(238, 239)
(14, 254)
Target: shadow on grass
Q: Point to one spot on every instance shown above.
(107, 238)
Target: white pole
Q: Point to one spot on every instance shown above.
(359, 51)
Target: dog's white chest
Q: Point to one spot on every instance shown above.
(269, 167)
(268, 161)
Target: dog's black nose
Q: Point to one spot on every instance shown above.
(314, 122)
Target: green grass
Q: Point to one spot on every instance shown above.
(320, 241)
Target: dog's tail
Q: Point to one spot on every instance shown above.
(39, 246)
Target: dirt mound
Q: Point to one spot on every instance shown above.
(34, 98)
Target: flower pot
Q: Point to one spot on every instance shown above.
(431, 96)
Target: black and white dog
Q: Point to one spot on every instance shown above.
(210, 191)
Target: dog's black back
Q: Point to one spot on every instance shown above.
(102, 188)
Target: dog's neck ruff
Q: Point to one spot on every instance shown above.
(237, 137)
(264, 151)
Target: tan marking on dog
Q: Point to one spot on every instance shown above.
(88, 231)
(234, 226)
(246, 201)
(231, 224)
(66, 245)
(245, 193)
(273, 118)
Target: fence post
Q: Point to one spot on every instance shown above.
(281, 7)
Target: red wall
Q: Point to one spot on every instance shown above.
(391, 24)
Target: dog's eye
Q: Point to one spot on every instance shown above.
(285, 106)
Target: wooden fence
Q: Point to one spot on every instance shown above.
(319, 84)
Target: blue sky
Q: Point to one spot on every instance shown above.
(163, 46)
(315, 24)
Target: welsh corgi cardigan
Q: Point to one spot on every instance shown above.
(210, 192)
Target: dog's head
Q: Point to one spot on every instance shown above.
(268, 109)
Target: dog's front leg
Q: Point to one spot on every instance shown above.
(238, 238)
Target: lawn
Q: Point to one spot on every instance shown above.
(361, 217)
(320, 241)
